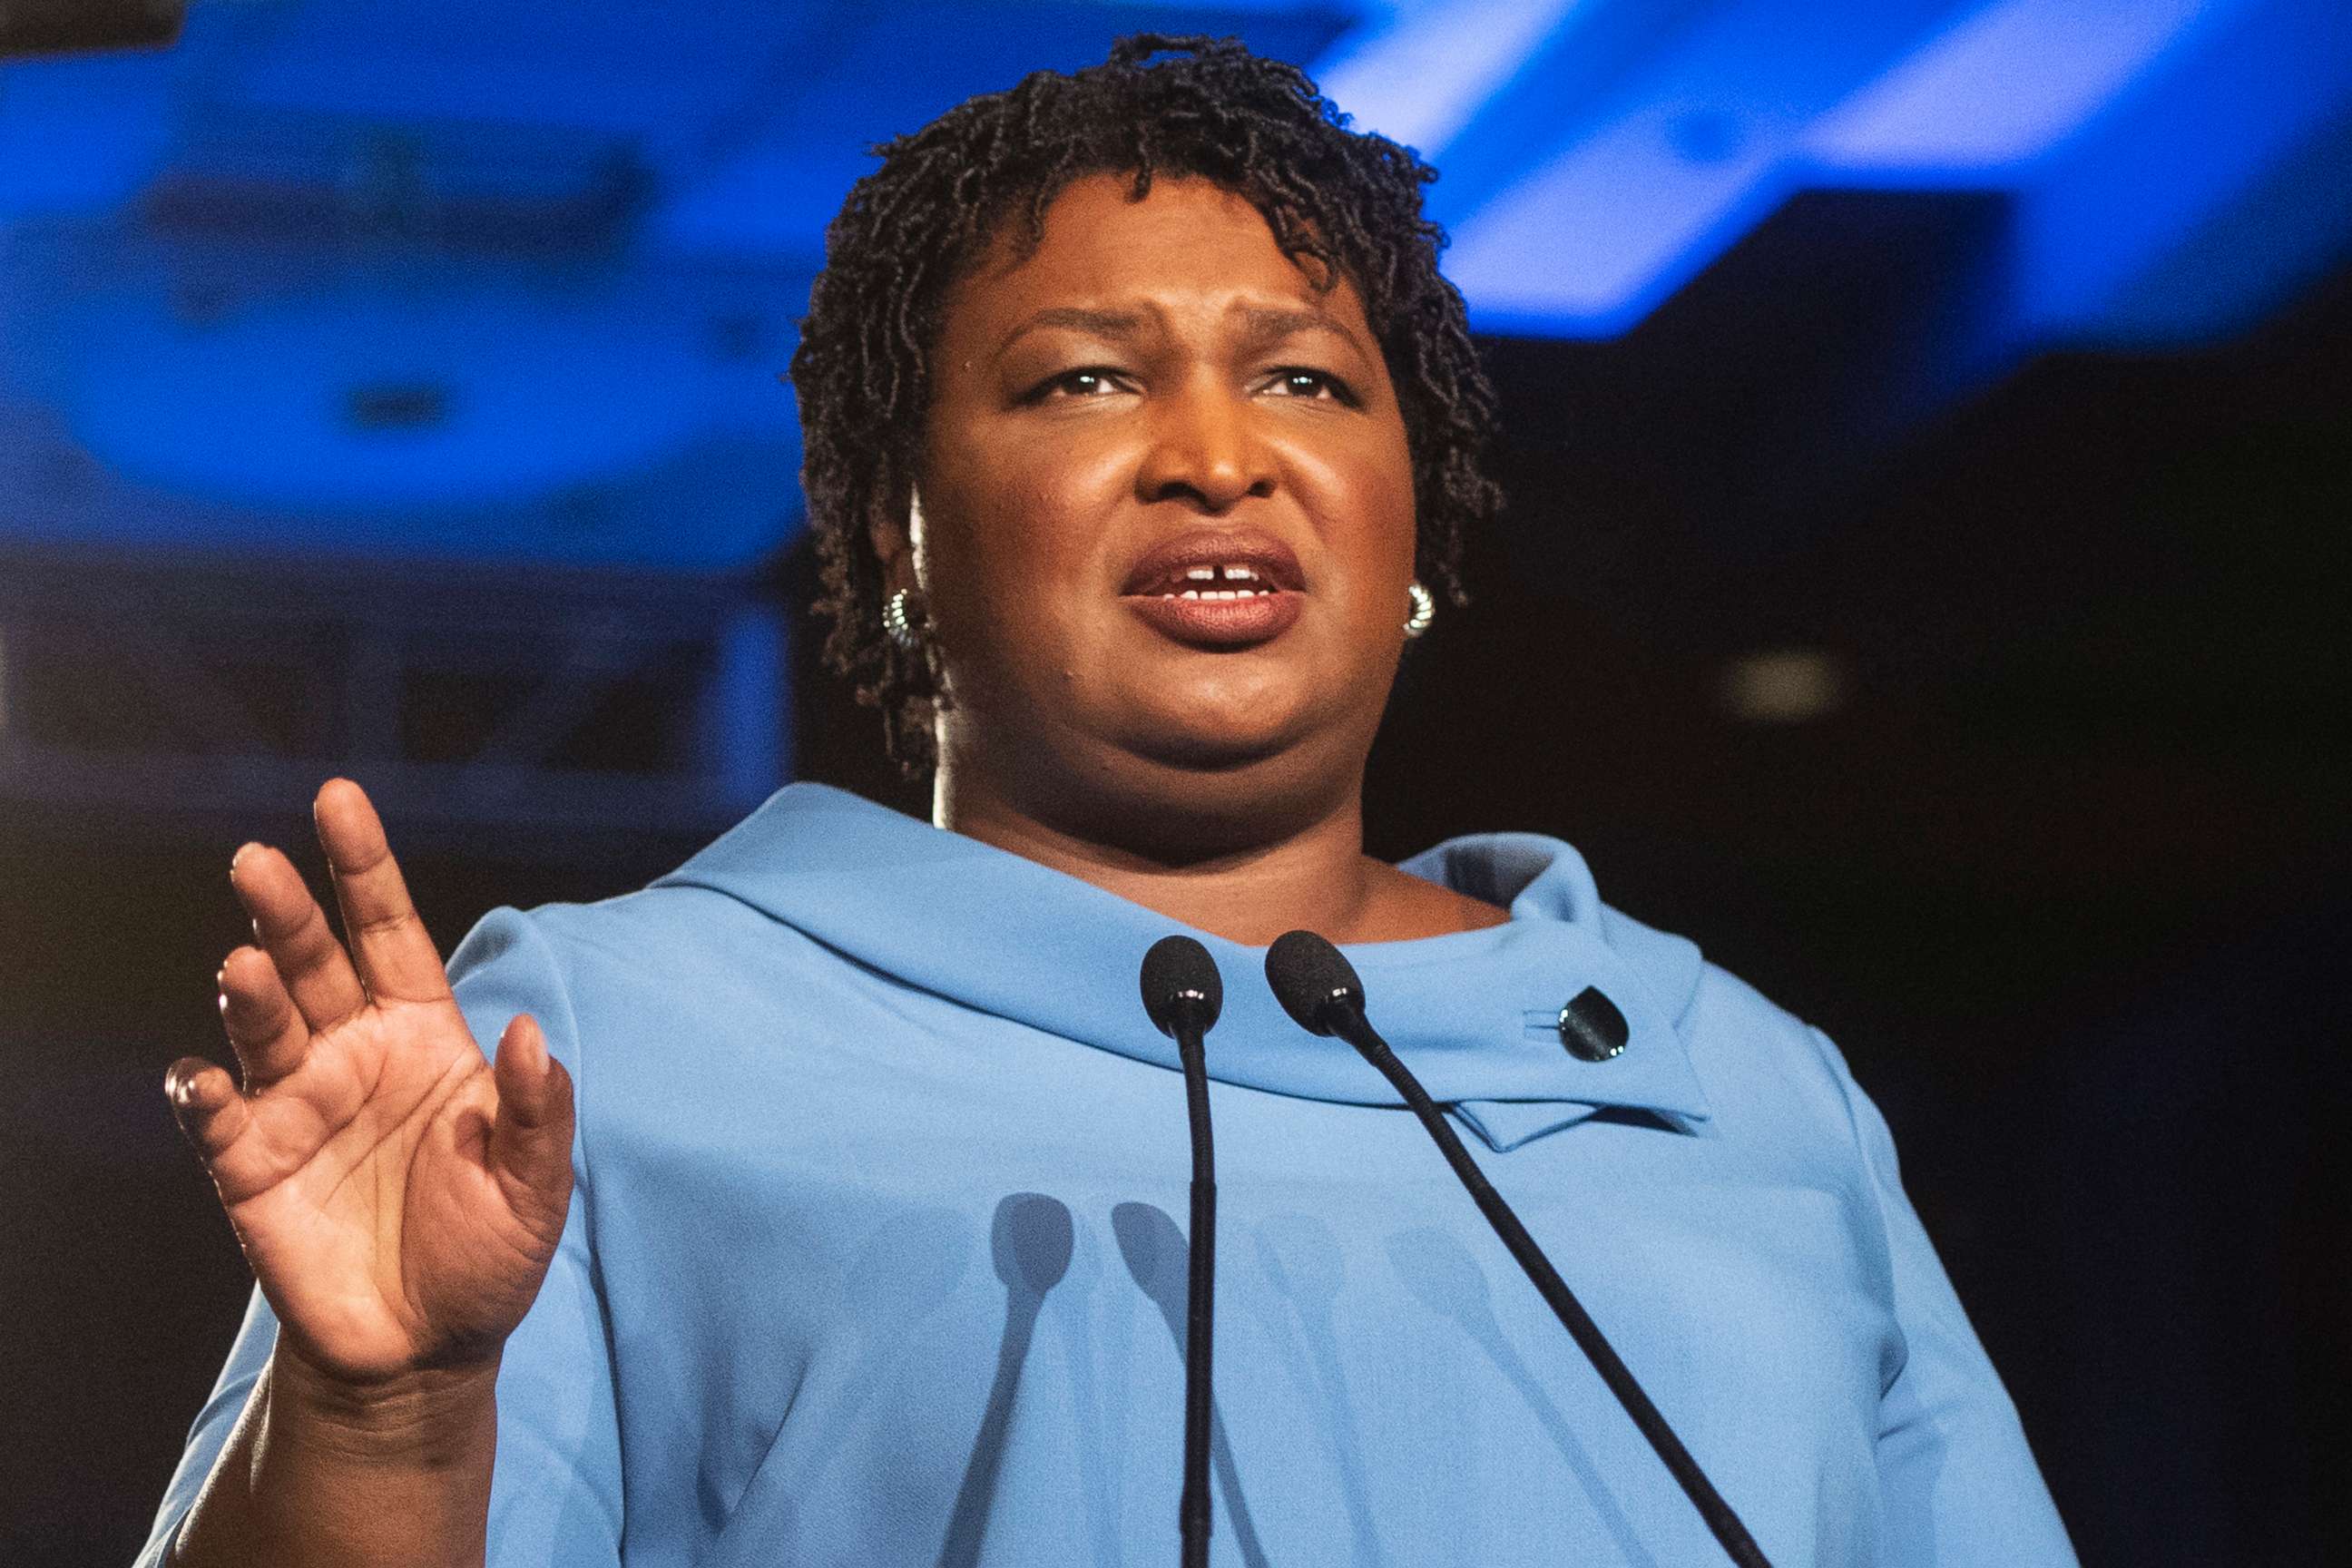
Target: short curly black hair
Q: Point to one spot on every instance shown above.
(1178, 107)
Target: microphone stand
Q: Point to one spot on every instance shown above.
(1350, 1025)
(1199, 1294)
(1319, 989)
(1183, 994)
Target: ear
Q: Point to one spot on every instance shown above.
(889, 537)
(896, 538)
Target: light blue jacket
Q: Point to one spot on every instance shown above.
(878, 1253)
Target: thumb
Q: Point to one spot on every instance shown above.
(530, 1142)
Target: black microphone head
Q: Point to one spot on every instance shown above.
(1310, 977)
(1179, 977)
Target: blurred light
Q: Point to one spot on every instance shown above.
(749, 704)
(1696, 145)
(1784, 686)
(1418, 78)
(2001, 87)
(78, 134)
(379, 396)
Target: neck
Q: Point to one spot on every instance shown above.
(1248, 889)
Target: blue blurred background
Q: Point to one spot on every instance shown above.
(1930, 444)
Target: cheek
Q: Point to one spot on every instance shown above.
(1362, 505)
(1016, 561)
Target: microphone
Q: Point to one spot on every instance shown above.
(1183, 993)
(1320, 988)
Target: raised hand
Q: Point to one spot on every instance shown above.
(398, 1198)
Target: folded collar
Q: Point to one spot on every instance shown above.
(1474, 1014)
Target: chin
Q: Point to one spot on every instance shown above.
(1197, 798)
(1218, 736)
(1218, 753)
(1182, 790)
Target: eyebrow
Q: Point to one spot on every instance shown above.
(1102, 323)
(1267, 325)
(1262, 325)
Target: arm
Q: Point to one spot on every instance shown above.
(400, 1198)
(316, 1471)
(1959, 1486)
(555, 1499)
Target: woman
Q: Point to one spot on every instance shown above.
(816, 1206)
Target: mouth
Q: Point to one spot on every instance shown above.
(1218, 589)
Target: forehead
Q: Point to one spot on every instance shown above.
(1189, 245)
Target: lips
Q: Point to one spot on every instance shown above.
(1217, 588)
(1220, 561)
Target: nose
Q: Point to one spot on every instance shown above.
(1205, 450)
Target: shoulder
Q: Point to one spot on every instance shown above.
(676, 936)
(1734, 1029)
(1770, 1077)
(648, 966)
(1722, 1020)
(582, 937)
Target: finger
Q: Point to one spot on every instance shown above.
(205, 1104)
(288, 923)
(396, 958)
(264, 1028)
(530, 1142)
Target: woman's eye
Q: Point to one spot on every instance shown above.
(1092, 381)
(1300, 382)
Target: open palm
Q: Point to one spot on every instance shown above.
(398, 1197)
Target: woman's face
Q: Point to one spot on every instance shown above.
(1169, 512)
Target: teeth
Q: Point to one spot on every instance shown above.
(1227, 572)
(1219, 593)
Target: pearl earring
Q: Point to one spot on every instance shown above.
(897, 625)
(1423, 609)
